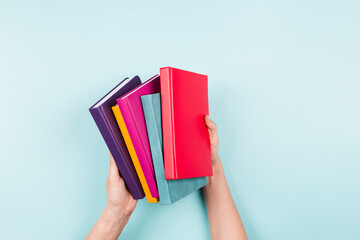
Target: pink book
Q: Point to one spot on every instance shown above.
(131, 109)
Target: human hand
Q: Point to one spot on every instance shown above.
(119, 206)
(224, 218)
(120, 202)
(214, 139)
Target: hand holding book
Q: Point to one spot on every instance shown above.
(224, 218)
(120, 205)
(119, 199)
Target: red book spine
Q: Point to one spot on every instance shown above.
(168, 122)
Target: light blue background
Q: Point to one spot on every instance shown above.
(284, 88)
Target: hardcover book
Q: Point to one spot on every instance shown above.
(105, 121)
(169, 190)
(133, 128)
(184, 103)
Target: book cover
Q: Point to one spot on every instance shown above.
(170, 191)
(184, 103)
(105, 121)
(133, 116)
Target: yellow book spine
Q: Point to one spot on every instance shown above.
(134, 158)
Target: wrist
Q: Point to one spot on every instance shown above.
(112, 221)
(216, 163)
(217, 169)
(116, 213)
(215, 158)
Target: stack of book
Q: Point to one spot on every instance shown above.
(156, 133)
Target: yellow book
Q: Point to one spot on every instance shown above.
(133, 155)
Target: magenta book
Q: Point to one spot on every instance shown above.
(131, 110)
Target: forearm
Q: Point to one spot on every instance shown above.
(109, 225)
(224, 219)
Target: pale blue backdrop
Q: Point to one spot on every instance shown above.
(284, 88)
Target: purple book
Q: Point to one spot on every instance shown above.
(109, 129)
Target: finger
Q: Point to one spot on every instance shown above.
(114, 171)
(210, 124)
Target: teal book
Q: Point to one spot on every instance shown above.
(170, 191)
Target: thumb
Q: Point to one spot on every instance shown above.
(211, 125)
(212, 129)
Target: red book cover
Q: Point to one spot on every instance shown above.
(184, 103)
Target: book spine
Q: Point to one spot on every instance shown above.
(110, 140)
(156, 116)
(168, 123)
(122, 104)
(152, 114)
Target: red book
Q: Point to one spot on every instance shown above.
(184, 103)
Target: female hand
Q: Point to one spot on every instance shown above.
(119, 206)
(120, 201)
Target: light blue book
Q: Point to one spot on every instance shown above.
(169, 190)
